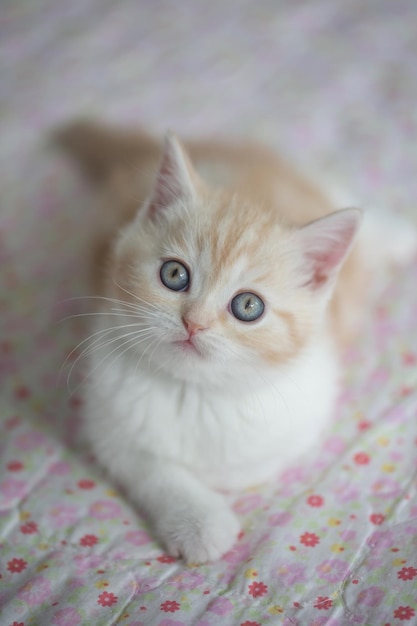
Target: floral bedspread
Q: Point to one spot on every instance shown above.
(333, 84)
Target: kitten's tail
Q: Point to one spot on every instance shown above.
(100, 149)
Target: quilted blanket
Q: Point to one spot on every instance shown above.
(332, 84)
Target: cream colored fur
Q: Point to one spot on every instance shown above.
(174, 415)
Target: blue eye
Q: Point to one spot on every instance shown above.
(247, 307)
(174, 275)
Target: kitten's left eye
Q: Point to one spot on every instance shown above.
(247, 306)
(175, 275)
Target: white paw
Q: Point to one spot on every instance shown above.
(201, 532)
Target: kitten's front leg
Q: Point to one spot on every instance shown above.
(191, 520)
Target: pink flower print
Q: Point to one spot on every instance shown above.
(15, 466)
(76, 583)
(309, 539)
(13, 488)
(121, 555)
(335, 444)
(237, 554)
(345, 493)
(137, 537)
(220, 606)
(364, 425)
(404, 613)
(381, 539)
(30, 440)
(248, 503)
(292, 573)
(188, 580)
(85, 563)
(60, 468)
(66, 617)
(315, 500)
(166, 558)
(29, 528)
(145, 584)
(361, 458)
(293, 475)
(63, 515)
(16, 565)
(397, 414)
(12, 422)
(22, 392)
(386, 488)
(323, 603)
(86, 483)
(258, 589)
(371, 596)
(332, 570)
(323, 620)
(407, 573)
(105, 509)
(107, 599)
(170, 606)
(35, 591)
(377, 518)
(279, 519)
(377, 378)
(88, 540)
(348, 535)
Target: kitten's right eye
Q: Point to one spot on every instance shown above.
(174, 275)
(247, 306)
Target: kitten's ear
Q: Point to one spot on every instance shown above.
(176, 178)
(325, 244)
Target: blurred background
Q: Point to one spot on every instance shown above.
(333, 85)
(330, 83)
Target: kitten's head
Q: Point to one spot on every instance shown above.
(222, 290)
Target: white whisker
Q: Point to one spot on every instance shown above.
(106, 299)
(162, 365)
(103, 331)
(93, 348)
(109, 313)
(136, 343)
(145, 351)
(104, 358)
(135, 296)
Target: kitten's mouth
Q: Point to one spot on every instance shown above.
(188, 346)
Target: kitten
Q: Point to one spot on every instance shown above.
(227, 281)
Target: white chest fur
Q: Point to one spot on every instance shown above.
(228, 440)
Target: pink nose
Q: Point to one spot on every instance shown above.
(192, 327)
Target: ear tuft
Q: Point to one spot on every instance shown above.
(325, 243)
(175, 176)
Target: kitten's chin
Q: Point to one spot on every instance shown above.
(189, 362)
(203, 365)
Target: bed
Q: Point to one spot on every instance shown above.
(332, 84)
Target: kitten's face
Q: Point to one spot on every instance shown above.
(213, 291)
(220, 290)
